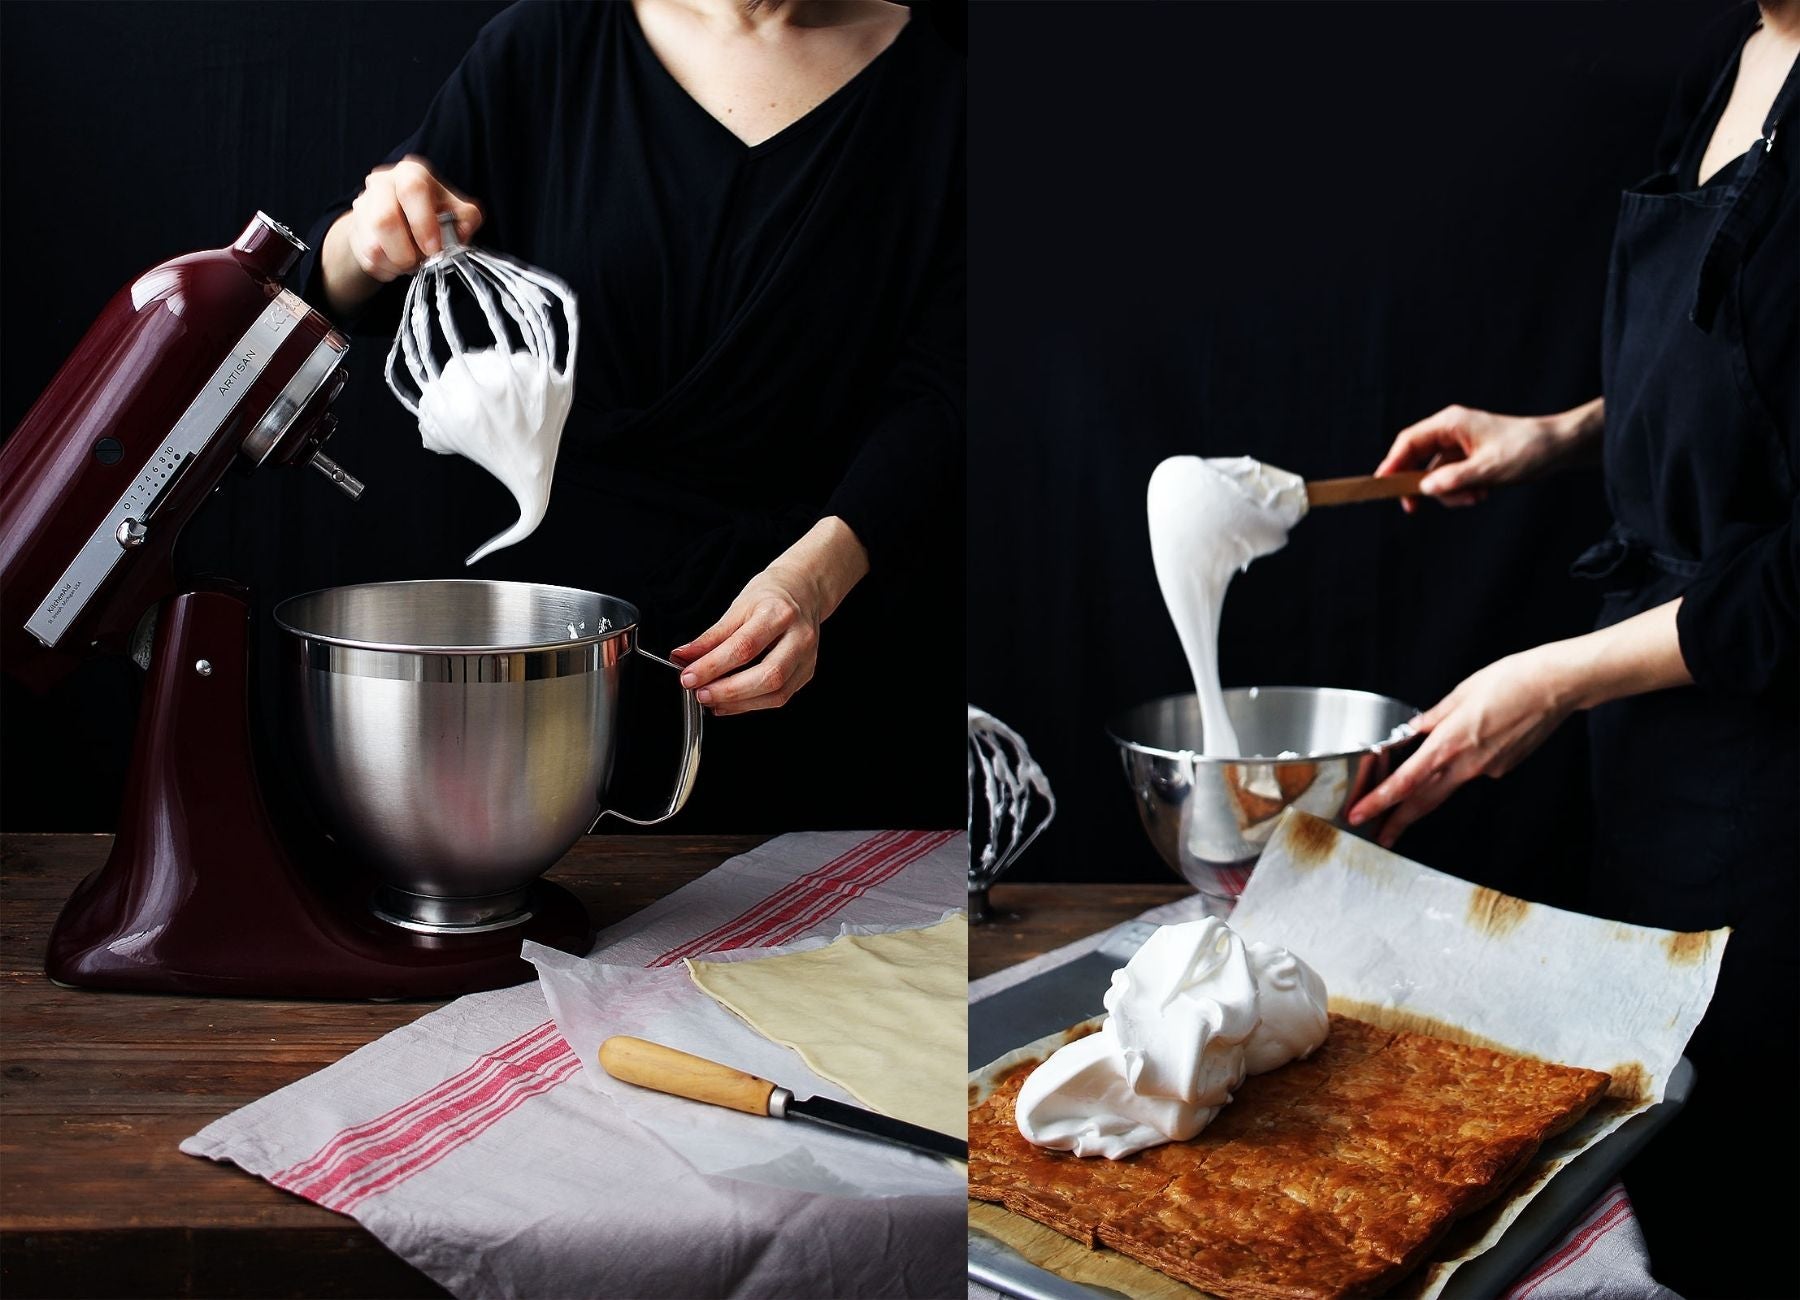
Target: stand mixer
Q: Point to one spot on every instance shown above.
(203, 363)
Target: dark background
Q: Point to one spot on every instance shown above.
(131, 133)
(1287, 231)
(1280, 230)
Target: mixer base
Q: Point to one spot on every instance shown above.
(200, 894)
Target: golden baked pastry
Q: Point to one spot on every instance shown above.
(1330, 1177)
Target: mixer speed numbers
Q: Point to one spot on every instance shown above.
(158, 476)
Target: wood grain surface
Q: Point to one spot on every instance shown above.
(1033, 918)
(98, 1089)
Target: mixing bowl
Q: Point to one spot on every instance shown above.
(458, 736)
(1315, 748)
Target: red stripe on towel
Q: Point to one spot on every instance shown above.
(1613, 1207)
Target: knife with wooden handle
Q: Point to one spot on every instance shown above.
(665, 1069)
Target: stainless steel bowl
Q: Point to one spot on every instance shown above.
(1314, 748)
(458, 736)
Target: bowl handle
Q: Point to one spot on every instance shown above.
(691, 718)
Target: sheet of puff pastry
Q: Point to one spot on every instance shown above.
(885, 1016)
(1331, 1177)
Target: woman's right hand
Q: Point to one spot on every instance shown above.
(1468, 452)
(391, 228)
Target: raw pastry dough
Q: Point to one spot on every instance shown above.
(885, 1016)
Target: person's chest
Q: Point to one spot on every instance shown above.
(686, 247)
(1762, 68)
(673, 245)
(757, 82)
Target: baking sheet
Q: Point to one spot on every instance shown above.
(1405, 946)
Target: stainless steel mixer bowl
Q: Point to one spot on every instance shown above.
(458, 736)
(1209, 818)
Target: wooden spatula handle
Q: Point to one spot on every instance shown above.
(651, 1065)
(1364, 487)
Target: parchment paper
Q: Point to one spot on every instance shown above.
(592, 1000)
(1406, 947)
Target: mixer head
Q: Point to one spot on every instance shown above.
(201, 363)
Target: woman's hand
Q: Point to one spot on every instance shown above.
(1493, 720)
(1484, 727)
(766, 646)
(1471, 451)
(390, 229)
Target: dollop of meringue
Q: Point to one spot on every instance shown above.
(504, 411)
(1193, 1012)
(1290, 999)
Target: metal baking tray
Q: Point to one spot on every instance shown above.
(1070, 993)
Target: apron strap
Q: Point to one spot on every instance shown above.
(1629, 560)
(1754, 193)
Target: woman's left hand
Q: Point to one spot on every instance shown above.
(766, 646)
(1485, 727)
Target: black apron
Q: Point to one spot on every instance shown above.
(1695, 792)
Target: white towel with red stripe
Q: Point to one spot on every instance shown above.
(1602, 1257)
(462, 1144)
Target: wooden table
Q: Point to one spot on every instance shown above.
(97, 1090)
(1033, 919)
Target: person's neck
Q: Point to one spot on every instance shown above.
(1781, 19)
(769, 16)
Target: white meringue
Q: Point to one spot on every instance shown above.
(1193, 1012)
(1208, 519)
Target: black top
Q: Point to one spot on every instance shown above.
(1740, 617)
(769, 334)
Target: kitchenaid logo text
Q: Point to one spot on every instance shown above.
(53, 607)
(238, 370)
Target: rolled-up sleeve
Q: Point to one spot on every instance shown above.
(1739, 622)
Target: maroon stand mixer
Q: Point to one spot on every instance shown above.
(200, 364)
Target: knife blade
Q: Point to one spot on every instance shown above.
(827, 1113)
(682, 1074)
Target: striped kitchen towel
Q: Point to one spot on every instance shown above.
(460, 1142)
(1602, 1257)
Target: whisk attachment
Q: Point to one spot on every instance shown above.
(502, 405)
(450, 241)
(1009, 805)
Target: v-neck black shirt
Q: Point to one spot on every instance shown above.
(770, 333)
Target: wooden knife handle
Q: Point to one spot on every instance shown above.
(651, 1065)
(1364, 487)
